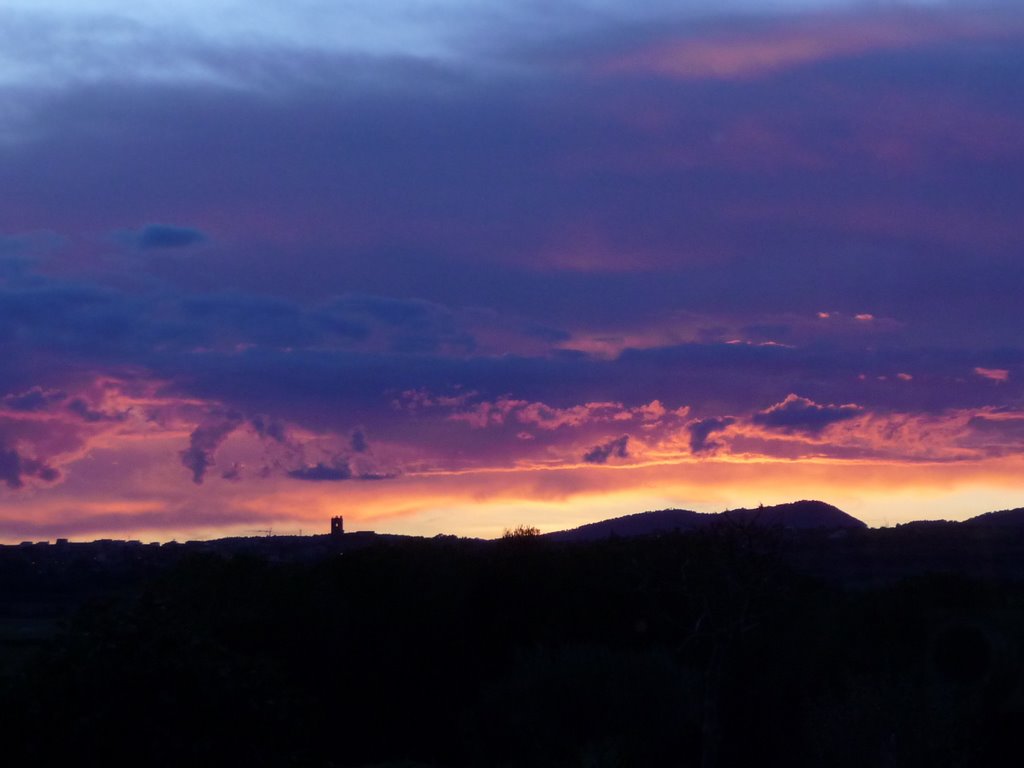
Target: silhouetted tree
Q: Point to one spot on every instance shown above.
(521, 532)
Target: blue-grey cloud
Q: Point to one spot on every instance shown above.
(599, 454)
(300, 372)
(323, 472)
(232, 473)
(799, 414)
(14, 468)
(701, 431)
(273, 429)
(57, 43)
(204, 442)
(499, 187)
(164, 236)
(337, 471)
(358, 441)
(84, 411)
(34, 399)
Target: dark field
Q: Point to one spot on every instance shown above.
(718, 648)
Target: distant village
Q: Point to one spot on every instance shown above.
(273, 547)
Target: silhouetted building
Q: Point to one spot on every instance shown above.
(337, 527)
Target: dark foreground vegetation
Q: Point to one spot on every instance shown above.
(705, 649)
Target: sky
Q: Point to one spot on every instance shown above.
(450, 267)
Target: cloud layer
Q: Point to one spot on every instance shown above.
(270, 261)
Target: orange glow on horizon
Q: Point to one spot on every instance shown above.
(483, 502)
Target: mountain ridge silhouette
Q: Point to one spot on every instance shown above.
(805, 515)
(1003, 518)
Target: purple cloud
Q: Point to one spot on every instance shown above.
(599, 454)
(799, 414)
(35, 399)
(702, 429)
(323, 472)
(204, 442)
(14, 468)
(163, 237)
(358, 441)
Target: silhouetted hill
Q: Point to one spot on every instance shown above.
(797, 515)
(639, 524)
(1006, 518)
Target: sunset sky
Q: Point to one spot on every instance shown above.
(442, 266)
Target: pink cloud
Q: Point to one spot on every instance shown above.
(127, 476)
(487, 414)
(548, 418)
(959, 435)
(993, 374)
(47, 437)
(753, 50)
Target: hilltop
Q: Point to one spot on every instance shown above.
(806, 515)
(1006, 518)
